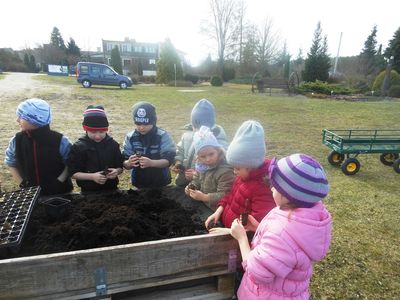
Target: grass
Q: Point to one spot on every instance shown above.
(364, 259)
(2, 76)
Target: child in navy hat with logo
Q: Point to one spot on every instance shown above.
(148, 150)
(95, 160)
(213, 176)
(249, 195)
(278, 263)
(37, 155)
(203, 114)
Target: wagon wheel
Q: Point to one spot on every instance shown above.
(388, 158)
(335, 158)
(293, 82)
(396, 165)
(350, 166)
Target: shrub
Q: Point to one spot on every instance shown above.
(394, 91)
(146, 79)
(193, 78)
(246, 79)
(322, 87)
(180, 83)
(216, 80)
(394, 80)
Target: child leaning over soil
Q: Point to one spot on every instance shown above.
(148, 150)
(213, 177)
(37, 155)
(95, 160)
(278, 264)
(203, 114)
(249, 193)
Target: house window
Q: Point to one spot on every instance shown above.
(152, 61)
(109, 47)
(138, 49)
(127, 62)
(124, 48)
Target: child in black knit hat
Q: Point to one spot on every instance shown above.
(95, 159)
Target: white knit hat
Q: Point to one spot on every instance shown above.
(203, 138)
(247, 148)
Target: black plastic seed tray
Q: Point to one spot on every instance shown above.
(15, 210)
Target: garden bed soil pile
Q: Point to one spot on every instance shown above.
(114, 218)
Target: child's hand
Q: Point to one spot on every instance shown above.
(187, 191)
(197, 195)
(99, 178)
(177, 168)
(220, 230)
(145, 162)
(237, 230)
(212, 219)
(133, 161)
(112, 173)
(252, 224)
(189, 174)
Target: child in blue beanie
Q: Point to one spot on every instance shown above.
(148, 150)
(37, 155)
(213, 176)
(95, 160)
(203, 114)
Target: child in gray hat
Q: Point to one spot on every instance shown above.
(203, 114)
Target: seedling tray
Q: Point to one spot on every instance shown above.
(15, 210)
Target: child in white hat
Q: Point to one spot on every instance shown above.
(213, 176)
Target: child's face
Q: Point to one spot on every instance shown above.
(208, 156)
(25, 125)
(278, 198)
(97, 136)
(242, 172)
(144, 129)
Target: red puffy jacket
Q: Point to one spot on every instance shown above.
(255, 189)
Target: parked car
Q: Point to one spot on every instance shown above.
(89, 73)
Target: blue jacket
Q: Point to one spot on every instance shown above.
(156, 144)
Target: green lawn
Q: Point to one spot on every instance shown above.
(364, 259)
(2, 76)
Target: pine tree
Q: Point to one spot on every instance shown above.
(72, 48)
(393, 49)
(26, 60)
(169, 60)
(368, 55)
(116, 62)
(32, 63)
(317, 63)
(56, 39)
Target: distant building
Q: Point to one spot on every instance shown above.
(137, 58)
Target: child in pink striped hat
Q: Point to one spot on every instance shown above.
(278, 263)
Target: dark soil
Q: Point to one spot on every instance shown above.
(99, 220)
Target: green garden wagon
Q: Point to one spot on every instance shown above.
(347, 144)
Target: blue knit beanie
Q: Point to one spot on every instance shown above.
(203, 114)
(144, 113)
(300, 178)
(247, 148)
(35, 111)
(203, 138)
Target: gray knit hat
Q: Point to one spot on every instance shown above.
(247, 148)
(203, 114)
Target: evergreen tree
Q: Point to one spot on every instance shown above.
(56, 39)
(368, 55)
(32, 63)
(72, 48)
(26, 60)
(169, 59)
(116, 62)
(317, 63)
(393, 49)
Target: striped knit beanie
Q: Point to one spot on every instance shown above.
(299, 178)
(35, 111)
(95, 119)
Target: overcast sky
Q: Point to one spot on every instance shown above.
(27, 23)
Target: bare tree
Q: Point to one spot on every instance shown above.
(267, 43)
(223, 27)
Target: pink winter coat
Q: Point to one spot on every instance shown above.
(254, 188)
(284, 247)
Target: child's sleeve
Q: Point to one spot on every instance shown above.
(271, 258)
(118, 158)
(127, 148)
(65, 148)
(10, 157)
(76, 162)
(261, 202)
(167, 148)
(224, 185)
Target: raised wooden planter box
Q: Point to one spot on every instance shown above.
(72, 275)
